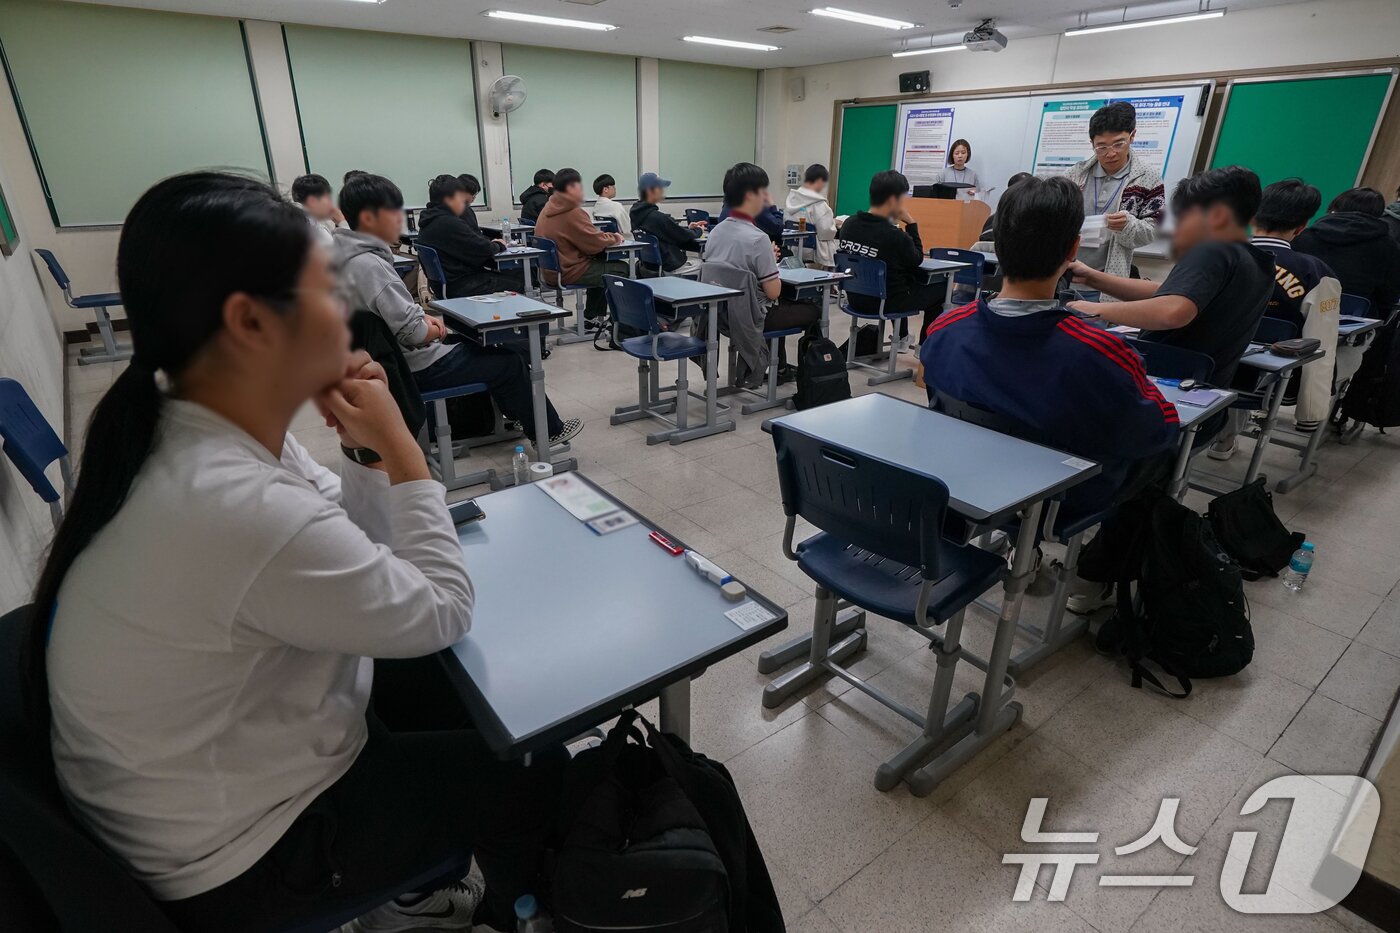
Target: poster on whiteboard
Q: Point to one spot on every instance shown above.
(1064, 131)
(924, 148)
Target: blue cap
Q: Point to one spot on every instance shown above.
(1308, 546)
(525, 907)
(651, 180)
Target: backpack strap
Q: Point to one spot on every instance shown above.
(1141, 673)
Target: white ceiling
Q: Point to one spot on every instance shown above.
(653, 28)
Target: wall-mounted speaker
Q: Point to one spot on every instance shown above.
(913, 81)
(797, 89)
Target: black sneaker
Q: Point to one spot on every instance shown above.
(571, 430)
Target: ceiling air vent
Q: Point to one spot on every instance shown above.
(778, 30)
(584, 2)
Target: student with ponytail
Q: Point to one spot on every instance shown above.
(200, 653)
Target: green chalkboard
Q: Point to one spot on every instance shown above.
(9, 236)
(1316, 129)
(867, 147)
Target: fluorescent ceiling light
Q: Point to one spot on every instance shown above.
(368, 1)
(731, 43)
(1137, 23)
(547, 20)
(937, 48)
(865, 19)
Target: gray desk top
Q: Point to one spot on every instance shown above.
(792, 233)
(1267, 361)
(943, 265)
(572, 627)
(804, 277)
(486, 315)
(409, 234)
(675, 290)
(519, 252)
(1190, 414)
(628, 246)
(405, 260)
(1352, 326)
(988, 475)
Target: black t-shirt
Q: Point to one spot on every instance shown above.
(1230, 284)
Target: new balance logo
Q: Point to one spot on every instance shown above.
(634, 892)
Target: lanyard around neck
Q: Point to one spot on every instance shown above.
(1099, 209)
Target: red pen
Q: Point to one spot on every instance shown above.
(666, 543)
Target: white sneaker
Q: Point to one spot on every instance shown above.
(1222, 450)
(1081, 604)
(448, 908)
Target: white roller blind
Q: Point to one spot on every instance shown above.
(709, 117)
(115, 99)
(399, 106)
(581, 112)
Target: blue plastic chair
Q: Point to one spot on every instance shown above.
(606, 225)
(432, 270)
(880, 547)
(1168, 362)
(634, 306)
(549, 262)
(963, 278)
(1355, 306)
(111, 349)
(31, 444)
(694, 215)
(867, 277)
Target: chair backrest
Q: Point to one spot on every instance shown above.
(971, 276)
(432, 269)
(1355, 305)
(632, 304)
(1168, 362)
(986, 418)
(28, 440)
(55, 269)
(1273, 329)
(695, 215)
(652, 254)
(807, 242)
(862, 501)
(867, 276)
(606, 224)
(549, 262)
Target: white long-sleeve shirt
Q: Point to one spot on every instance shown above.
(208, 666)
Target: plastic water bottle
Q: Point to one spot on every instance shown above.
(520, 466)
(1297, 573)
(529, 918)
(505, 229)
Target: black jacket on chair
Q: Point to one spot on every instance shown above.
(468, 257)
(675, 238)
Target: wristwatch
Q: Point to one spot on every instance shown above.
(361, 455)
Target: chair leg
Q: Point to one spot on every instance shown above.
(1056, 634)
(645, 398)
(682, 395)
(821, 652)
(889, 375)
(111, 350)
(770, 400)
(446, 462)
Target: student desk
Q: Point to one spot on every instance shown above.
(1277, 370)
(991, 478)
(946, 268)
(798, 240)
(628, 250)
(611, 622)
(800, 280)
(686, 296)
(1351, 332)
(1192, 417)
(527, 256)
(403, 265)
(497, 322)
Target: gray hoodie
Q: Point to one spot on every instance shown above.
(369, 283)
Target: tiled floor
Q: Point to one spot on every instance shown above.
(848, 858)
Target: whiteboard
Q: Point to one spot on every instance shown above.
(1045, 133)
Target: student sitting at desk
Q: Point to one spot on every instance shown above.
(873, 234)
(534, 198)
(582, 246)
(1217, 292)
(313, 194)
(1024, 356)
(200, 654)
(605, 208)
(472, 185)
(674, 237)
(468, 257)
(373, 205)
(1354, 240)
(810, 201)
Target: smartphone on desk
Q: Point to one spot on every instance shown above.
(464, 513)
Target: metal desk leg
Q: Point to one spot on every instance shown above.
(996, 712)
(1266, 430)
(528, 277)
(632, 264)
(1306, 467)
(675, 710)
(948, 295)
(826, 311)
(1177, 488)
(543, 450)
(713, 424)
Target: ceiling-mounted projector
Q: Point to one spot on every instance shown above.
(985, 38)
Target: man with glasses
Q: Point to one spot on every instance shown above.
(1121, 187)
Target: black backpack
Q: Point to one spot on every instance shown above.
(1193, 619)
(821, 372)
(655, 839)
(867, 341)
(1246, 526)
(1374, 394)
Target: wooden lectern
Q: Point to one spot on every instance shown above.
(950, 224)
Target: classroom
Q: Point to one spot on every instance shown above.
(595, 465)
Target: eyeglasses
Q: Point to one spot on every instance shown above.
(1112, 147)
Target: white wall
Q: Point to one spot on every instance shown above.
(1317, 32)
(30, 353)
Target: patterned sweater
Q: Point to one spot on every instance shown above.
(1143, 197)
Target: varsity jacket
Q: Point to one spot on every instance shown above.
(1144, 198)
(1307, 293)
(871, 236)
(1080, 388)
(468, 257)
(673, 236)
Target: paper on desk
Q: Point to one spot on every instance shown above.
(748, 615)
(1092, 233)
(578, 498)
